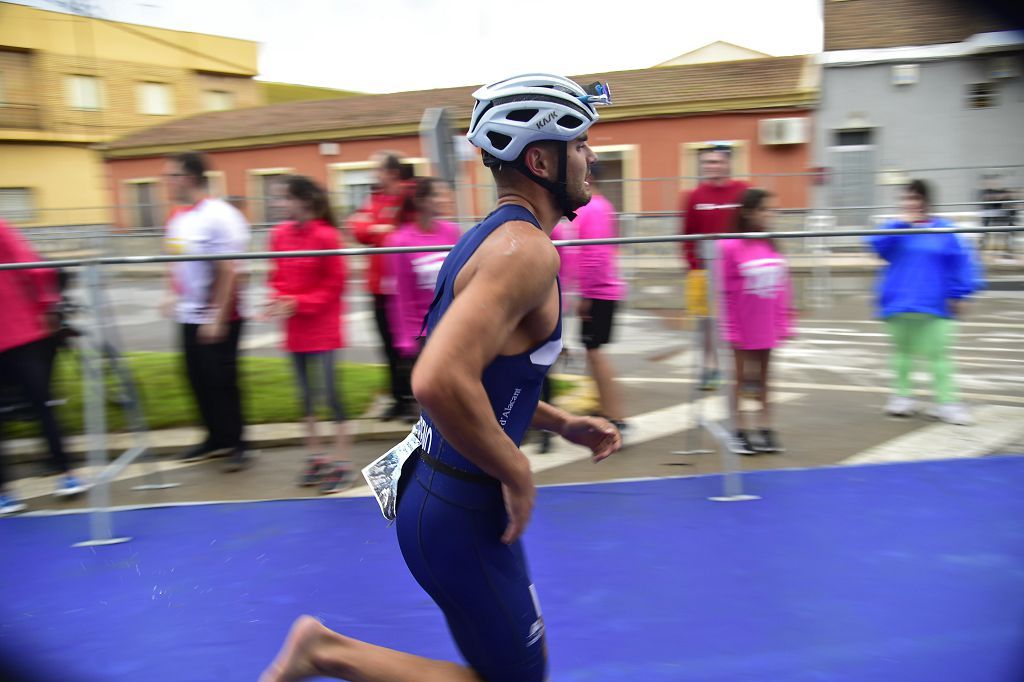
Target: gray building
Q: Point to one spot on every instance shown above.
(917, 88)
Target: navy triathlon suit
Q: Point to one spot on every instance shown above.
(451, 514)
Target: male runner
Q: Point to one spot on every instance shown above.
(494, 329)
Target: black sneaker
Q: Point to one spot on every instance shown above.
(398, 410)
(545, 442)
(197, 453)
(338, 477)
(768, 442)
(316, 466)
(740, 444)
(237, 460)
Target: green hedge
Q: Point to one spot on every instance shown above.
(269, 393)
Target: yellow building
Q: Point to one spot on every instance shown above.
(69, 84)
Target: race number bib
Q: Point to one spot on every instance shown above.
(382, 475)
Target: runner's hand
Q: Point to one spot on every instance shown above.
(519, 499)
(214, 332)
(596, 433)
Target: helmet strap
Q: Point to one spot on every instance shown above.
(559, 189)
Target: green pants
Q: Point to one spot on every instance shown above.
(928, 337)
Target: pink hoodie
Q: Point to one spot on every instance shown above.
(597, 266)
(755, 289)
(568, 255)
(411, 278)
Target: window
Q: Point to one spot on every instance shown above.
(17, 204)
(215, 183)
(352, 182)
(619, 168)
(218, 100)
(852, 178)
(981, 95)
(351, 189)
(85, 92)
(261, 193)
(155, 99)
(852, 138)
(145, 205)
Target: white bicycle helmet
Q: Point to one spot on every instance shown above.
(514, 112)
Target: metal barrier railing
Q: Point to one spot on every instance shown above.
(99, 495)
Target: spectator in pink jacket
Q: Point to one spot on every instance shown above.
(600, 290)
(305, 294)
(755, 318)
(411, 277)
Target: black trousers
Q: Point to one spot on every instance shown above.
(28, 367)
(399, 372)
(212, 370)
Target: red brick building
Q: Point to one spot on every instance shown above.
(647, 141)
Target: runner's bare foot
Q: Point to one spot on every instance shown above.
(294, 661)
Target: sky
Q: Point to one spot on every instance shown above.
(394, 45)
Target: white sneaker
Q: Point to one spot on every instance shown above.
(901, 406)
(952, 413)
(70, 485)
(9, 505)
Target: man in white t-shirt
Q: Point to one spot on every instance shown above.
(204, 298)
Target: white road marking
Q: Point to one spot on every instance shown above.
(996, 427)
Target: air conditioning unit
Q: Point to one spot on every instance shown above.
(783, 131)
(905, 74)
(1005, 66)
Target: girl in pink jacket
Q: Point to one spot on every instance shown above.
(410, 277)
(755, 318)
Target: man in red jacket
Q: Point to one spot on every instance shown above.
(710, 208)
(371, 225)
(27, 297)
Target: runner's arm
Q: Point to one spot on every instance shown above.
(514, 278)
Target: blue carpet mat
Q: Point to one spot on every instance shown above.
(900, 572)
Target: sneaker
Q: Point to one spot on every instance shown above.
(197, 453)
(9, 505)
(237, 460)
(316, 466)
(545, 442)
(69, 485)
(901, 406)
(710, 379)
(739, 444)
(767, 441)
(338, 477)
(398, 410)
(951, 413)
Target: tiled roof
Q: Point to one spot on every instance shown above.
(746, 84)
(864, 24)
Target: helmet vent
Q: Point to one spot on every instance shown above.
(569, 121)
(499, 140)
(521, 115)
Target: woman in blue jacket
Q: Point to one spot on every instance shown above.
(920, 294)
